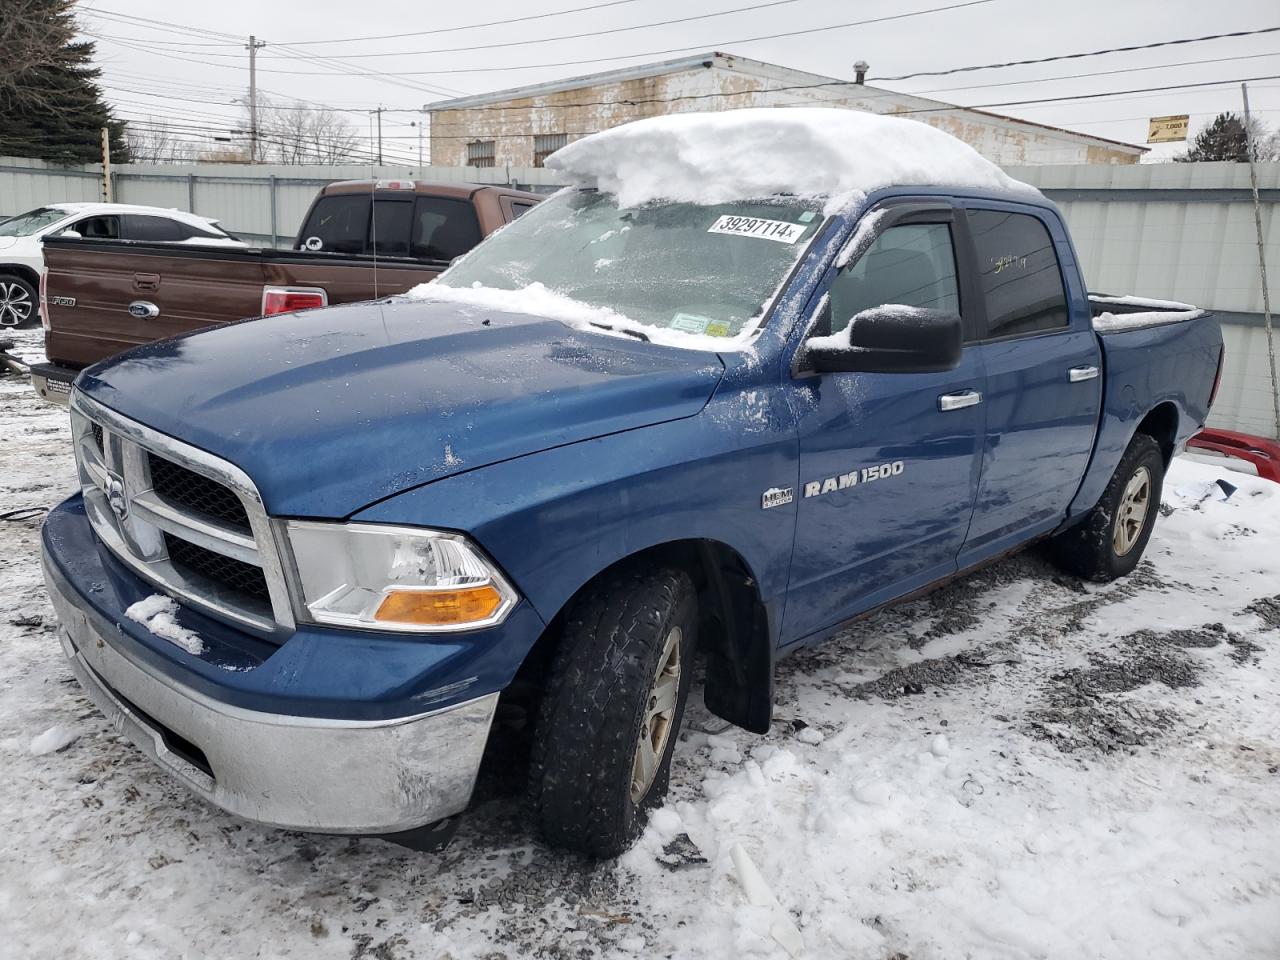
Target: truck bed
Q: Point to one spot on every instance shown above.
(1113, 314)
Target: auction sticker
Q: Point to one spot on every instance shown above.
(778, 230)
(689, 323)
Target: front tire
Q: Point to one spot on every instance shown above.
(18, 302)
(611, 713)
(1111, 540)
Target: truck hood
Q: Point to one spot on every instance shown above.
(330, 410)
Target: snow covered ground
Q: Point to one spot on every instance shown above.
(1018, 766)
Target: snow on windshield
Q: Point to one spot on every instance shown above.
(538, 300)
(712, 158)
(685, 274)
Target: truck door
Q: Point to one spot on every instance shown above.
(888, 461)
(1042, 364)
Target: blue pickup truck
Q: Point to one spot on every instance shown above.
(541, 482)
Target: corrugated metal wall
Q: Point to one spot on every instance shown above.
(1170, 231)
(1183, 231)
(257, 203)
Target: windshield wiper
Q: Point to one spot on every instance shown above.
(630, 333)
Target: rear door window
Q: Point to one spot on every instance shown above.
(1019, 274)
(154, 229)
(337, 224)
(98, 228)
(444, 228)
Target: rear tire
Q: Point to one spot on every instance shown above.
(1111, 539)
(19, 302)
(612, 709)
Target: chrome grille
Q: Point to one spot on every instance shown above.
(192, 491)
(188, 522)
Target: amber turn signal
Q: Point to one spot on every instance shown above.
(440, 608)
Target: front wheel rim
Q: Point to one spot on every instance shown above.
(659, 717)
(1131, 515)
(15, 305)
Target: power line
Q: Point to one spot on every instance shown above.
(940, 109)
(1074, 56)
(650, 53)
(469, 26)
(1096, 73)
(591, 33)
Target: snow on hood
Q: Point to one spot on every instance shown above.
(710, 158)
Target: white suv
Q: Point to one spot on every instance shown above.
(22, 261)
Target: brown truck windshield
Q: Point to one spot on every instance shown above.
(420, 228)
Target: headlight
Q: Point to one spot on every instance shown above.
(394, 578)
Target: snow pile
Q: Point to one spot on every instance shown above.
(159, 614)
(52, 740)
(710, 158)
(1158, 313)
(542, 301)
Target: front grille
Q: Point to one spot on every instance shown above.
(236, 575)
(181, 518)
(197, 493)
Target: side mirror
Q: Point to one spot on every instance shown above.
(890, 339)
(69, 234)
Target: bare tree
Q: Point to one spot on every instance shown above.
(153, 141)
(298, 133)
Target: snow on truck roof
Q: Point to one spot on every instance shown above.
(710, 158)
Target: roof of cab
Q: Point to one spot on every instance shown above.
(462, 191)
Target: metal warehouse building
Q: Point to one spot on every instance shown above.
(522, 126)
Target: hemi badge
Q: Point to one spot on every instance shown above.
(776, 497)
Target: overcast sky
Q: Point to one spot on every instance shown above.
(162, 72)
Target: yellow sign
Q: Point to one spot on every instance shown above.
(1168, 129)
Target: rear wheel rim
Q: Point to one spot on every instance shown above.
(1131, 516)
(15, 304)
(659, 717)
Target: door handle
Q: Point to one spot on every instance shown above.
(146, 281)
(958, 401)
(1080, 374)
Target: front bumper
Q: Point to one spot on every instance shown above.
(304, 773)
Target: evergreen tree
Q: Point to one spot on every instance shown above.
(50, 102)
(1223, 139)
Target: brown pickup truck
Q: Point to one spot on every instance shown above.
(361, 239)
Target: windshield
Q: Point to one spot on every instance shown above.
(708, 270)
(25, 224)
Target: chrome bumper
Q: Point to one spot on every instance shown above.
(298, 773)
(51, 388)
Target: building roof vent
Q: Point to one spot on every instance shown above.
(860, 71)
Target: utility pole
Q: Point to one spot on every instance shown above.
(107, 192)
(379, 111)
(254, 46)
(1262, 259)
(419, 123)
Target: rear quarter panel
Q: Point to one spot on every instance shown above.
(1174, 363)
